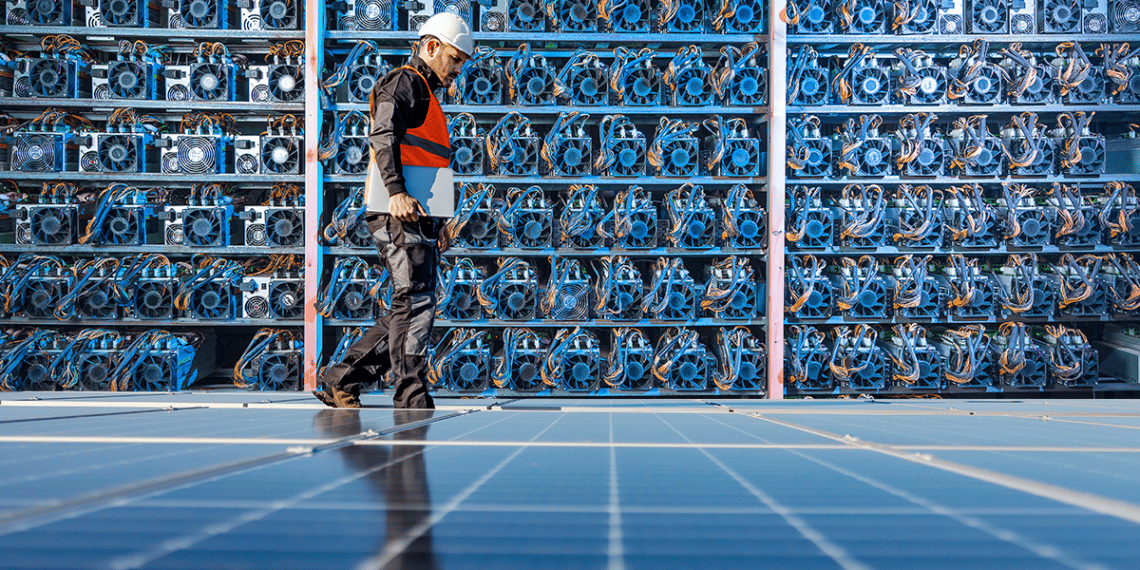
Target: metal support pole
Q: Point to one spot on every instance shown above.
(314, 191)
(777, 123)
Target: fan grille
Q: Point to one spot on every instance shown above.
(35, 153)
(197, 155)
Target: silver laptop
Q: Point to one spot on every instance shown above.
(433, 187)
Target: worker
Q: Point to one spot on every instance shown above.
(409, 144)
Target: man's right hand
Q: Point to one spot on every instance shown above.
(405, 208)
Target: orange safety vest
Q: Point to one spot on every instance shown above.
(430, 143)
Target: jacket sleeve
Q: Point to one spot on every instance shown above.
(392, 102)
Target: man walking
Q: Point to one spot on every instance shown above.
(409, 129)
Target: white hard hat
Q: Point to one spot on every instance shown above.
(451, 30)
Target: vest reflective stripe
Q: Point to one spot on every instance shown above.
(430, 143)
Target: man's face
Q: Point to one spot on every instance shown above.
(444, 60)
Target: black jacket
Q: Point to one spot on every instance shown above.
(400, 101)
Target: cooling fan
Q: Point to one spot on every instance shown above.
(749, 86)
(1061, 16)
(284, 228)
(153, 373)
(679, 158)
(480, 232)
(872, 158)
(193, 155)
(816, 155)
(988, 161)
(867, 17)
(870, 302)
(210, 81)
(534, 85)
(379, 15)
(818, 17)
(42, 296)
(124, 226)
(52, 225)
(281, 154)
(700, 230)
(642, 231)
(989, 17)
(588, 86)
(467, 155)
(35, 372)
(97, 301)
(672, 300)
(929, 299)
(132, 80)
(987, 88)
(39, 152)
(533, 228)
(120, 153)
(483, 85)
(812, 88)
(623, 299)
(931, 160)
(202, 14)
(154, 300)
(517, 300)
(574, 15)
(286, 299)
(818, 301)
(870, 86)
(273, 15)
(40, 13)
(286, 83)
(355, 303)
(205, 227)
(741, 158)
(461, 302)
(1126, 16)
(1092, 157)
(630, 361)
(932, 86)
(577, 369)
(362, 78)
(630, 16)
(526, 16)
(213, 300)
(925, 16)
(740, 300)
(692, 86)
(642, 87)
(50, 78)
(571, 302)
(352, 156)
(468, 371)
(745, 17)
(278, 371)
(519, 156)
(629, 153)
(95, 370)
(681, 364)
(1043, 160)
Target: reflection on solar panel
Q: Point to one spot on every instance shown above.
(235, 480)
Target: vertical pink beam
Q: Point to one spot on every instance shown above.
(777, 124)
(314, 198)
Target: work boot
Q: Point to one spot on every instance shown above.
(336, 398)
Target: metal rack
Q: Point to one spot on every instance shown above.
(771, 186)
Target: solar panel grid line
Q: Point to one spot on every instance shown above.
(393, 548)
(616, 552)
(1104, 505)
(171, 545)
(31, 518)
(166, 409)
(831, 549)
